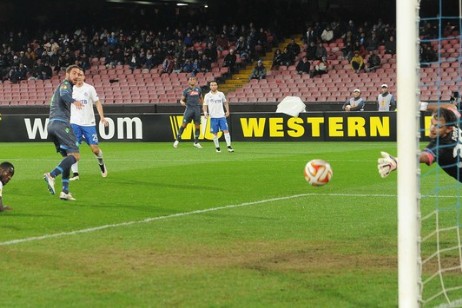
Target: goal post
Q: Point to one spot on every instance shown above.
(407, 25)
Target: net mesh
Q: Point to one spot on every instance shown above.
(440, 206)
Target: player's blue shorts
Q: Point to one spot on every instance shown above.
(217, 124)
(85, 132)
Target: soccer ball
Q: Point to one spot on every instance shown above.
(318, 172)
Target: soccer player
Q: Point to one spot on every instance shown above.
(192, 100)
(83, 121)
(444, 147)
(6, 173)
(60, 131)
(218, 109)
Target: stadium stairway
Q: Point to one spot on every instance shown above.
(241, 78)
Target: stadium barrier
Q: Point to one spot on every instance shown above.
(312, 126)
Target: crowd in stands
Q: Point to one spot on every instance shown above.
(190, 50)
(360, 46)
(194, 48)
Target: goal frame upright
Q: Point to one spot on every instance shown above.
(408, 186)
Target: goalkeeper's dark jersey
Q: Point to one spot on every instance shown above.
(447, 152)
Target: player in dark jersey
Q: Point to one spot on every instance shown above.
(60, 131)
(445, 147)
(192, 99)
(6, 173)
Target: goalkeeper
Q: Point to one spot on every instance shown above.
(445, 147)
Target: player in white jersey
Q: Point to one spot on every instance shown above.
(83, 121)
(217, 108)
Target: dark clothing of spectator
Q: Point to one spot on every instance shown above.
(230, 61)
(259, 72)
(303, 66)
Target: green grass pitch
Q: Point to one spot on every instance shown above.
(195, 228)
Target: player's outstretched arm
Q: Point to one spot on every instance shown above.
(386, 164)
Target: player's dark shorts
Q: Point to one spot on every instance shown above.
(192, 113)
(63, 137)
(87, 133)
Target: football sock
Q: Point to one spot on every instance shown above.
(228, 139)
(65, 178)
(216, 142)
(65, 165)
(180, 132)
(197, 133)
(65, 185)
(75, 168)
(99, 157)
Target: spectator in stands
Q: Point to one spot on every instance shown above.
(259, 71)
(310, 36)
(320, 67)
(25, 59)
(390, 46)
(211, 52)
(321, 51)
(357, 62)
(149, 63)
(205, 64)
(355, 103)
(303, 66)
(30, 54)
(449, 30)
(195, 67)
(222, 42)
(187, 66)
(429, 30)
(372, 42)
(286, 58)
(84, 62)
(13, 74)
(188, 41)
(385, 100)
(373, 62)
(311, 51)
(134, 61)
(427, 54)
(277, 58)
(167, 65)
(242, 49)
(112, 40)
(260, 48)
(45, 70)
(230, 61)
(293, 48)
(177, 66)
(109, 60)
(327, 34)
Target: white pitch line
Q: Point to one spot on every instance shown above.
(147, 220)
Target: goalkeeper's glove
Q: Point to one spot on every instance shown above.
(386, 164)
